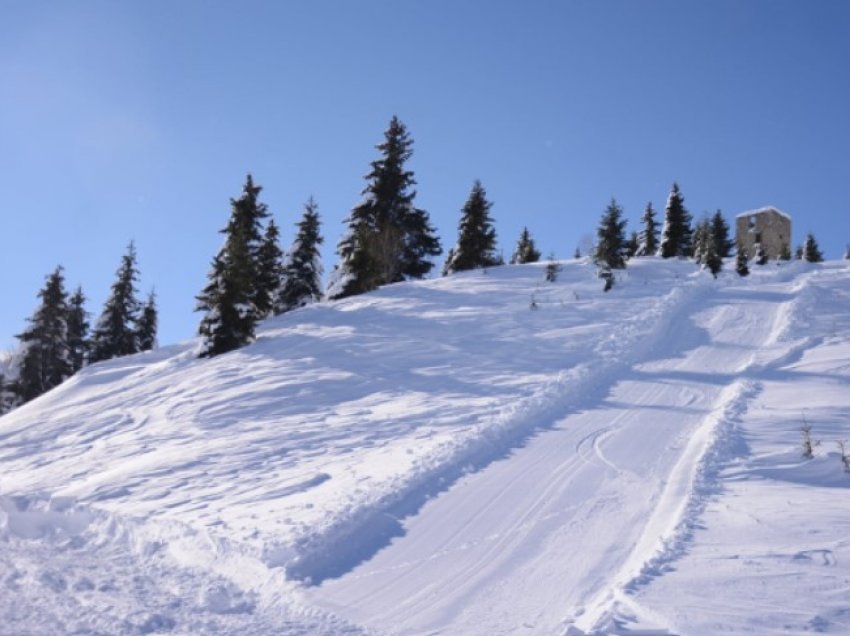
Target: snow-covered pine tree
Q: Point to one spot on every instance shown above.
(632, 245)
(648, 237)
(115, 332)
(476, 243)
(710, 254)
(785, 252)
(721, 233)
(45, 362)
(7, 397)
(761, 255)
(676, 234)
(811, 251)
(388, 238)
(741, 265)
(526, 251)
(610, 244)
(699, 240)
(148, 323)
(302, 277)
(269, 271)
(78, 329)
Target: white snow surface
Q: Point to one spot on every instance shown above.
(437, 458)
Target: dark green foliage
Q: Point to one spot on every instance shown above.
(608, 276)
(78, 330)
(269, 271)
(115, 333)
(148, 323)
(847, 253)
(761, 255)
(234, 288)
(798, 253)
(302, 278)
(721, 233)
(525, 252)
(388, 239)
(648, 237)
(785, 252)
(46, 359)
(699, 239)
(632, 245)
(476, 243)
(741, 265)
(553, 268)
(8, 398)
(710, 255)
(676, 235)
(811, 251)
(577, 253)
(610, 245)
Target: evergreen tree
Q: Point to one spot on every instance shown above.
(721, 233)
(699, 240)
(231, 295)
(269, 271)
(476, 243)
(741, 265)
(302, 278)
(148, 323)
(711, 255)
(388, 239)
(78, 330)
(798, 253)
(847, 253)
(648, 237)
(577, 253)
(632, 245)
(115, 332)
(610, 245)
(7, 395)
(525, 252)
(811, 251)
(785, 252)
(46, 360)
(676, 235)
(761, 255)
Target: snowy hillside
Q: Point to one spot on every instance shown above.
(437, 457)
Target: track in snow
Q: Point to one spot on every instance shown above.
(527, 543)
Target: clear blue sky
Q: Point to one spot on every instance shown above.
(139, 120)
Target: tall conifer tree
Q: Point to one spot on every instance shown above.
(78, 329)
(676, 235)
(388, 238)
(302, 277)
(115, 332)
(721, 233)
(611, 240)
(811, 251)
(46, 360)
(648, 237)
(148, 324)
(476, 243)
(269, 270)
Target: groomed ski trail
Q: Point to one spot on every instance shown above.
(545, 540)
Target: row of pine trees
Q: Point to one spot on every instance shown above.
(59, 341)
(387, 240)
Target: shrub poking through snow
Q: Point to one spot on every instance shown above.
(808, 443)
(552, 269)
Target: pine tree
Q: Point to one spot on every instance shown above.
(388, 238)
(610, 245)
(46, 360)
(741, 265)
(302, 278)
(632, 245)
(676, 235)
(525, 251)
(699, 240)
(761, 254)
(711, 255)
(476, 243)
(148, 323)
(847, 253)
(115, 332)
(798, 253)
(721, 233)
(811, 251)
(785, 252)
(78, 329)
(269, 271)
(648, 237)
(7, 396)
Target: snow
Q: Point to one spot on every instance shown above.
(435, 457)
(768, 208)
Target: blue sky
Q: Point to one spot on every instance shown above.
(139, 120)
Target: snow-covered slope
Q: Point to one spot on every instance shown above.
(439, 457)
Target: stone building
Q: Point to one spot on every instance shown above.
(769, 226)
